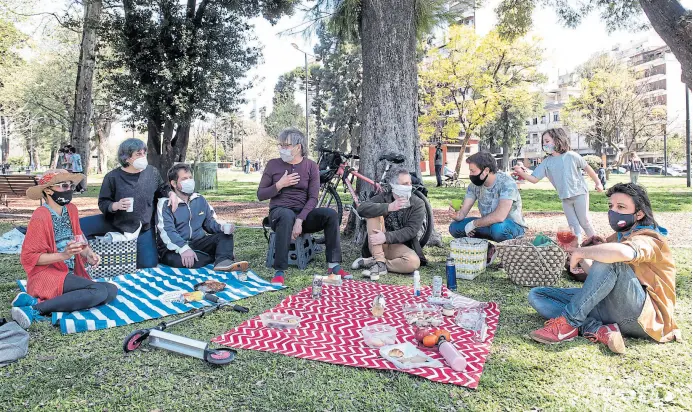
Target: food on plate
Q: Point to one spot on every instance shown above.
(396, 353)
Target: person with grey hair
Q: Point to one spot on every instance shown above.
(292, 183)
(127, 198)
(393, 220)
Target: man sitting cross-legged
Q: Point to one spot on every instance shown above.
(191, 236)
(394, 219)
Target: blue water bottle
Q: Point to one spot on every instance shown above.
(451, 274)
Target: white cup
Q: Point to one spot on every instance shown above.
(227, 228)
(132, 203)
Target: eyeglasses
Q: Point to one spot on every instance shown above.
(65, 185)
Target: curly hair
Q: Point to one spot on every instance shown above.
(640, 198)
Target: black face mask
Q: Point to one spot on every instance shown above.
(62, 198)
(620, 222)
(477, 180)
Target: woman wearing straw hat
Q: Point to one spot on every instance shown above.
(54, 253)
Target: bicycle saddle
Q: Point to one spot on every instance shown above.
(393, 158)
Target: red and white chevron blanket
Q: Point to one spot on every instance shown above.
(330, 331)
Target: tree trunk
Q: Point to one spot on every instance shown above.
(5, 133)
(81, 121)
(172, 138)
(506, 156)
(673, 24)
(465, 142)
(506, 138)
(102, 130)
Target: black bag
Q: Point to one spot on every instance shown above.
(328, 165)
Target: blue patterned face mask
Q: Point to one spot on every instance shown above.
(549, 148)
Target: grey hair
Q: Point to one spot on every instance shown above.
(396, 173)
(127, 148)
(293, 136)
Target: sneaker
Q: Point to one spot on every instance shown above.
(555, 330)
(376, 269)
(228, 265)
(610, 335)
(339, 271)
(24, 299)
(26, 315)
(278, 279)
(362, 263)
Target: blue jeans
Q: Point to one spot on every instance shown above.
(97, 225)
(497, 232)
(611, 294)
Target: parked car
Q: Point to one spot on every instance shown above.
(619, 170)
(659, 171)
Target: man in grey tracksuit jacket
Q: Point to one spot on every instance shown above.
(191, 236)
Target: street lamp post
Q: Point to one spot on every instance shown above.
(305, 55)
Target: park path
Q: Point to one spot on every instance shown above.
(251, 214)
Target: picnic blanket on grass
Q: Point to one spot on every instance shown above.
(330, 331)
(138, 294)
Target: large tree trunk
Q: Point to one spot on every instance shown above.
(673, 24)
(81, 121)
(102, 130)
(460, 158)
(5, 133)
(172, 138)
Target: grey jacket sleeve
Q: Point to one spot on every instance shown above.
(166, 225)
(374, 207)
(412, 227)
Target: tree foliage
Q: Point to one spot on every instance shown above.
(467, 84)
(174, 61)
(285, 111)
(613, 110)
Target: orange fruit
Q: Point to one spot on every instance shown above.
(442, 332)
(430, 341)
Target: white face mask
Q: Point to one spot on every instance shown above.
(402, 191)
(187, 186)
(286, 154)
(140, 163)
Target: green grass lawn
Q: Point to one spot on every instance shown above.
(89, 371)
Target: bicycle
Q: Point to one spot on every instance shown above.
(334, 168)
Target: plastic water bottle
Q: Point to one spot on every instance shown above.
(437, 287)
(451, 274)
(452, 356)
(417, 283)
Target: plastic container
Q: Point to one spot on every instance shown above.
(474, 320)
(452, 356)
(407, 356)
(377, 336)
(280, 320)
(422, 314)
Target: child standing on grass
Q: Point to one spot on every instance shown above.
(563, 168)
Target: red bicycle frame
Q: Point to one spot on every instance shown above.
(345, 170)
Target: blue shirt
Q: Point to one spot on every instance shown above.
(565, 174)
(504, 188)
(62, 227)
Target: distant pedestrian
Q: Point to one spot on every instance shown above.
(247, 165)
(438, 162)
(601, 174)
(635, 166)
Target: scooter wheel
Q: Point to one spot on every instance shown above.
(220, 356)
(134, 340)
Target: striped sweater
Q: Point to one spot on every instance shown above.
(46, 281)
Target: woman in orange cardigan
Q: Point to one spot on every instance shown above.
(53, 258)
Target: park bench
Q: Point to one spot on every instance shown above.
(15, 186)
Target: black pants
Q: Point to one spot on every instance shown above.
(282, 222)
(79, 294)
(439, 171)
(209, 249)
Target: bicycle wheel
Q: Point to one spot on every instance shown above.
(330, 198)
(427, 226)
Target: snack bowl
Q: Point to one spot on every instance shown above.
(377, 336)
(280, 320)
(422, 314)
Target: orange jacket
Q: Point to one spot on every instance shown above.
(654, 267)
(46, 281)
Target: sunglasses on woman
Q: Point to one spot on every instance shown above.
(65, 185)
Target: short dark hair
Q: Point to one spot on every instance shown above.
(482, 160)
(127, 148)
(173, 171)
(73, 150)
(640, 198)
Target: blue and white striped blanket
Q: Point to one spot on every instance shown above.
(138, 294)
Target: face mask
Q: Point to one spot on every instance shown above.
(140, 163)
(62, 198)
(477, 180)
(187, 186)
(620, 222)
(548, 148)
(286, 154)
(402, 191)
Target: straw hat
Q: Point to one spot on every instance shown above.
(50, 178)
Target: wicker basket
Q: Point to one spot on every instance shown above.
(469, 255)
(529, 265)
(117, 258)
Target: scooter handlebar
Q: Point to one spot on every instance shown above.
(214, 298)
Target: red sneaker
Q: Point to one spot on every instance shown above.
(278, 280)
(341, 272)
(610, 335)
(555, 330)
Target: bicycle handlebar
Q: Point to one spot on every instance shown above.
(345, 155)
